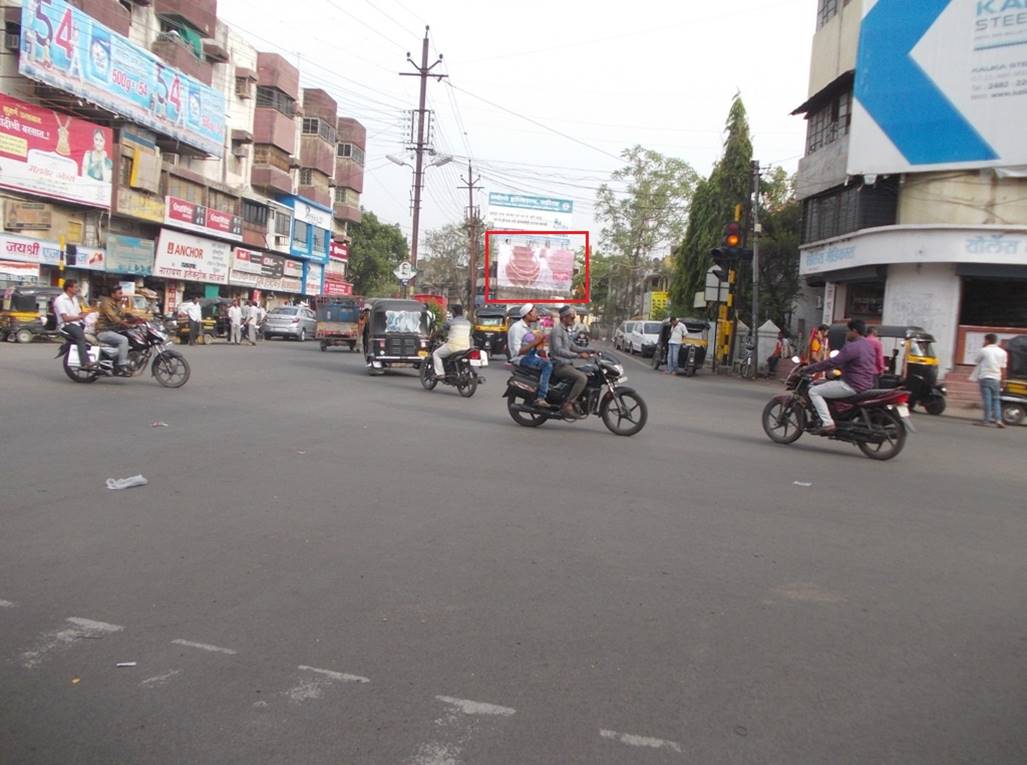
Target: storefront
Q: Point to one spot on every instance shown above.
(310, 241)
(186, 266)
(265, 276)
(957, 282)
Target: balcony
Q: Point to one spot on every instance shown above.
(317, 103)
(254, 234)
(351, 131)
(272, 127)
(346, 212)
(349, 175)
(202, 15)
(177, 53)
(317, 194)
(271, 179)
(273, 71)
(317, 155)
(111, 14)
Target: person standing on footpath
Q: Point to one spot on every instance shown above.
(194, 315)
(235, 322)
(991, 362)
(251, 316)
(678, 333)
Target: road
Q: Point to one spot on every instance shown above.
(330, 568)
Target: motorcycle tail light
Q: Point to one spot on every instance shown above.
(903, 398)
(475, 354)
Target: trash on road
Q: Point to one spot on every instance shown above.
(301, 452)
(76, 680)
(116, 484)
(159, 425)
(802, 483)
(125, 664)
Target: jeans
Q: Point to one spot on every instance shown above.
(119, 341)
(568, 372)
(235, 334)
(991, 393)
(673, 354)
(80, 340)
(832, 389)
(537, 362)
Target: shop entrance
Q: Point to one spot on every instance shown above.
(990, 305)
(865, 300)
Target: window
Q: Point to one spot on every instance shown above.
(266, 154)
(226, 203)
(254, 213)
(349, 151)
(300, 234)
(849, 209)
(173, 186)
(273, 98)
(829, 123)
(318, 127)
(321, 239)
(347, 197)
(826, 10)
(283, 223)
(306, 177)
(310, 125)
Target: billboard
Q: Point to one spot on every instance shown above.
(940, 85)
(203, 220)
(518, 212)
(536, 266)
(54, 155)
(67, 49)
(191, 258)
(129, 255)
(265, 271)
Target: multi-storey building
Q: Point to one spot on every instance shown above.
(943, 250)
(201, 169)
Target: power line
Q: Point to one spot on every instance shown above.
(366, 25)
(390, 18)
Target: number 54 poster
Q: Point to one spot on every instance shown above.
(68, 49)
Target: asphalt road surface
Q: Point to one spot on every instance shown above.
(331, 568)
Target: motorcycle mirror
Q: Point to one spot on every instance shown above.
(832, 354)
(796, 360)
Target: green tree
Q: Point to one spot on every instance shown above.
(646, 215)
(445, 266)
(712, 207)
(376, 249)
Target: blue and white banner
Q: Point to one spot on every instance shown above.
(518, 212)
(940, 85)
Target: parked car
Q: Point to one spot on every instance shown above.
(620, 335)
(293, 321)
(644, 337)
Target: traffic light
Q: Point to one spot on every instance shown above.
(732, 236)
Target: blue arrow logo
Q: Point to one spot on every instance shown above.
(905, 103)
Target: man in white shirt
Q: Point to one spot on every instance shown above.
(678, 333)
(458, 339)
(991, 363)
(70, 314)
(194, 314)
(235, 322)
(252, 320)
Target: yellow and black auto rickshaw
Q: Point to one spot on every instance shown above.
(28, 313)
(338, 321)
(1014, 392)
(397, 334)
(490, 326)
(692, 354)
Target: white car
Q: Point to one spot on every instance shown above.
(643, 338)
(620, 336)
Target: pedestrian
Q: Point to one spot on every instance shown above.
(235, 322)
(261, 316)
(875, 341)
(990, 368)
(678, 333)
(194, 315)
(252, 316)
(781, 350)
(816, 348)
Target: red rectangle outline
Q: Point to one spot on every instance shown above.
(500, 232)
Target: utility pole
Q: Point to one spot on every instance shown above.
(755, 266)
(473, 220)
(424, 72)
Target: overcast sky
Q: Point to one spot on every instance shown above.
(610, 75)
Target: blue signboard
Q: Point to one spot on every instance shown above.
(129, 255)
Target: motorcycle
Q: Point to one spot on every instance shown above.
(621, 408)
(147, 340)
(461, 371)
(876, 421)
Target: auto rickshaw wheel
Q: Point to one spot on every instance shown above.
(208, 338)
(935, 405)
(24, 335)
(1013, 414)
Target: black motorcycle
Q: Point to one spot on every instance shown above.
(621, 408)
(146, 341)
(461, 371)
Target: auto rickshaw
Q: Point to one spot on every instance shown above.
(214, 324)
(397, 334)
(338, 321)
(490, 326)
(28, 313)
(692, 354)
(1014, 392)
(910, 360)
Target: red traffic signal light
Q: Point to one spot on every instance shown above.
(732, 236)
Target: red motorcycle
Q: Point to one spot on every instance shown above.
(876, 420)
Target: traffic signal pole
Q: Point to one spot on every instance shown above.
(755, 266)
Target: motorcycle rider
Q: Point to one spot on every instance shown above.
(858, 362)
(458, 339)
(111, 323)
(70, 315)
(521, 348)
(562, 350)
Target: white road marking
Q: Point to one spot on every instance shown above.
(340, 676)
(203, 646)
(469, 707)
(314, 688)
(158, 680)
(647, 741)
(6, 604)
(80, 628)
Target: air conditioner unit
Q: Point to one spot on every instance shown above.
(281, 240)
(239, 151)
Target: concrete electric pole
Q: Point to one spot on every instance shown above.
(473, 221)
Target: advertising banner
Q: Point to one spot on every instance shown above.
(337, 289)
(192, 258)
(129, 255)
(29, 250)
(27, 216)
(53, 154)
(203, 220)
(338, 251)
(534, 264)
(66, 48)
(525, 213)
(312, 284)
(90, 258)
(305, 212)
(940, 85)
(16, 271)
(265, 271)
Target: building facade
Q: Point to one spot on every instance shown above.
(943, 250)
(202, 169)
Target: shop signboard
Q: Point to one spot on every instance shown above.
(338, 251)
(312, 283)
(29, 250)
(138, 204)
(129, 255)
(54, 155)
(67, 49)
(337, 288)
(191, 258)
(90, 258)
(519, 212)
(265, 271)
(182, 213)
(314, 216)
(27, 216)
(17, 271)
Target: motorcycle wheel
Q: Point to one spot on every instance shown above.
(1013, 414)
(428, 378)
(171, 369)
(935, 405)
(625, 404)
(324, 346)
(78, 374)
(783, 422)
(468, 384)
(524, 419)
(891, 424)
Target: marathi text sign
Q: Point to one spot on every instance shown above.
(53, 154)
(68, 49)
(528, 213)
(16, 271)
(203, 220)
(191, 258)
(129, 255)
(265, 271)
(29, 250)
